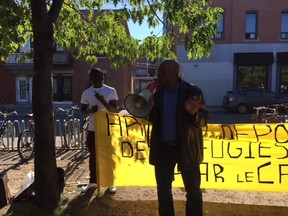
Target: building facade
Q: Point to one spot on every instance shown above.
(251, 50)
(70, 78)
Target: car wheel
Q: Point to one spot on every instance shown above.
(242, 108)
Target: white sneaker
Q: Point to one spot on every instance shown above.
(85, 188)
(112, 189)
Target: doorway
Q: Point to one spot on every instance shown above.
(62, 87)
(24, 89)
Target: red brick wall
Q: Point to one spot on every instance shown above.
(269, 19)
(7, 86)
(120, 79)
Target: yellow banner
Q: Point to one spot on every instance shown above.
(236, 157)
(248, 132)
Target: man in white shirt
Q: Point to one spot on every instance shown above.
(98, 97)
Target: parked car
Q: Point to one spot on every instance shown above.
(243, 101)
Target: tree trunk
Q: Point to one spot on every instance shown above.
(46, 180)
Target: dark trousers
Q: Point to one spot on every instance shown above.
(92, 158)
(164, 173)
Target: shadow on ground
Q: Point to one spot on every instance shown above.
(105, 205)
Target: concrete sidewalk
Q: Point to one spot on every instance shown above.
(10, 156)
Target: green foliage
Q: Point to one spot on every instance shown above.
(159, 47)
(15, 26)
(86, 35)
(197, 25)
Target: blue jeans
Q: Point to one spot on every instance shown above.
(164, 173)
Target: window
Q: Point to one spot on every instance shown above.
(141, 83)
(220, 27)
(284, 79)
(145, 69)
(252, 77)
(59, 48)
(62, 87)
(251, 26)
(26, 47)
(104, 76)
(284, 26)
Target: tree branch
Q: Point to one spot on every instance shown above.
(154, 12)
(81, 14)
(55, 10)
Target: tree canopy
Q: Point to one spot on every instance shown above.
(78, 28)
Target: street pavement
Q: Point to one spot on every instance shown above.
(221, 116)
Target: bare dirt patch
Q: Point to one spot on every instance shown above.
(140, 201)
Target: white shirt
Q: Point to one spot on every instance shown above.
(88, 98)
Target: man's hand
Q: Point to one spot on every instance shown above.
(100, 97)
(192, 104)
(94, 109)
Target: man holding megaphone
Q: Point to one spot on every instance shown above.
(177, 115)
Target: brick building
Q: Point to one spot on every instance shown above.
(70, 78)
(251, 50)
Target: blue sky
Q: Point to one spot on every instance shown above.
(137, 31)
(140, 32)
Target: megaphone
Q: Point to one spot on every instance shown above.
(139, 105)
